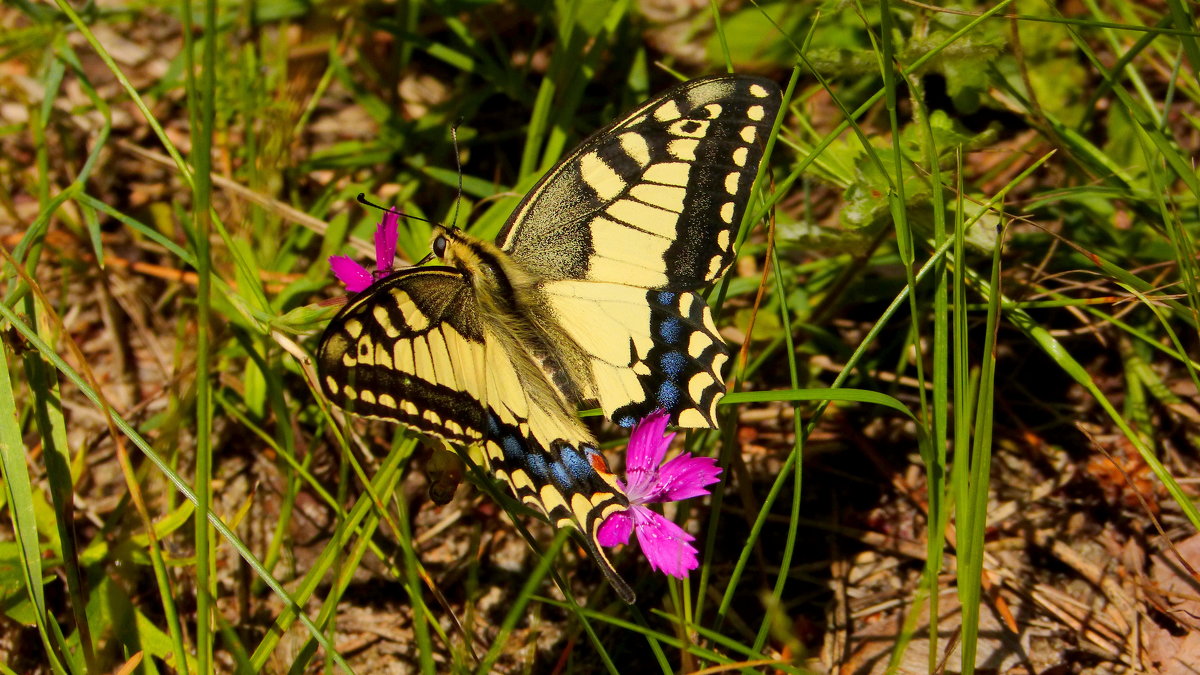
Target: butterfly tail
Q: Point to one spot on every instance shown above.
(581, 492)
(569, 481)
(584, 494)
(610, 573)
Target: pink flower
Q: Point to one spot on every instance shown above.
(356, 277)
(666, 545)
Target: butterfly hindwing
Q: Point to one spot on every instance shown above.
(647, 349)
(655, 199)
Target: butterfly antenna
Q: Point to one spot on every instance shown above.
(362, 199)
(458, 164)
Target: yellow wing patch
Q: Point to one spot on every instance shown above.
(648, 349)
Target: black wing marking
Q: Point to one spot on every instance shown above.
(654, 199)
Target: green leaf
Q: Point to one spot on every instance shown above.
(14, 599)
(110, 609)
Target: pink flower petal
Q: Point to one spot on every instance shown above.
(647, 445)
(615, 529)
(686, 476)
(355, 277)
(386, 234)
(665, 544)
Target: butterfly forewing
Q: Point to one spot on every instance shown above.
(409, 349)
(415, 349)
(655, 199)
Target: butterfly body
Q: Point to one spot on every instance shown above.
(586, 297)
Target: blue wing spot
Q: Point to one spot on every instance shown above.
(576, 465)
(668, 395)
(537, 466)
(672, 364)
(493, 425)
(666, 297)
(561, 479)
(671, 330)
(627, 421)
(514, 450)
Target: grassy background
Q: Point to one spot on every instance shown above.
(977, 229)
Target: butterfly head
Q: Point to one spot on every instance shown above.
(490, 270)
(454, 247)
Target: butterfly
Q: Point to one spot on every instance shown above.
(587, 297)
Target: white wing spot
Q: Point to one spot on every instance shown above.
(667, 112)
(714, 267)
(383, 357)
(692, 419)
(669, 173)
(635, 146)
(686, 302)
(689, 128)
(758, 91)
(385, 321)
(644, 217)
(684, 149)
(417, 320)
(662, 196)
(727, 212)
(696, 346)
(698, 384)
(740, 156)
(402, 356)
(601, 177)
(748, 134)
(551, 498)
(731, 182)
(756, 112)
(366, 351)
(521, 479)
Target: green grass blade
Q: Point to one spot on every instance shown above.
(176, 481)
(19, 496)
(973, 512)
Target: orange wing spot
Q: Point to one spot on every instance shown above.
(598, 462)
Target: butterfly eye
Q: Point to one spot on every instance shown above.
(439, 246)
